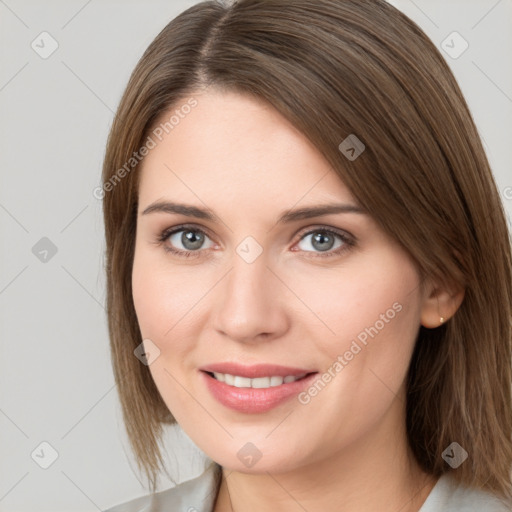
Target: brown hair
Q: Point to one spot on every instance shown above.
(335, 68)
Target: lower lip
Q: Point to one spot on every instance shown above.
(254, 400)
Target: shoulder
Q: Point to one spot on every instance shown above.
(450, 496)
(196, 495)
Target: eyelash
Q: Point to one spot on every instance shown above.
(348, 242)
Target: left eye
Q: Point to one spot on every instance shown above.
(321, 240)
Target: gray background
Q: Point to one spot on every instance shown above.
(56, 382)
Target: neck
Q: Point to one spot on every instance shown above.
(375, 472)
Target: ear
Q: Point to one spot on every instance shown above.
(440, 303)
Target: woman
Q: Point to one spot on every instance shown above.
(372, 373)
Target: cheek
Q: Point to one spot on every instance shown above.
(372, 294)
(369, 321)
(370, 317)
(169, 301)
(163, 297)
(163, 303)
(150, 301)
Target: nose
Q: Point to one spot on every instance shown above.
(250, 303)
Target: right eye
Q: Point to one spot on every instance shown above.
(191, 240)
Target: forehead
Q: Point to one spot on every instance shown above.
(237, 149)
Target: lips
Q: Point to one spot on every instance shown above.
(254, 399)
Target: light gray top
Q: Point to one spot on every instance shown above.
(198, 495)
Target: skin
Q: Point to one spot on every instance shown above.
(346, 449)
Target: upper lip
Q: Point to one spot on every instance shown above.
(255, 371)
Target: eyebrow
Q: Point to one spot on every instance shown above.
(286, 217)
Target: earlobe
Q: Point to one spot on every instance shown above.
(440, 305)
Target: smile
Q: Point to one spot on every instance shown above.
(254, 389)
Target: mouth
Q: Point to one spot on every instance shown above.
(254, 389)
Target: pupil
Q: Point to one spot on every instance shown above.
(320, 238)
(191, 240)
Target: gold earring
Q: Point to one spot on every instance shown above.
(441, 319)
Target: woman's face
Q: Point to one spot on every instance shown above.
(330, 296)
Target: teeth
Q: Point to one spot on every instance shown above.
(220, 376)
(277, 381)
(259, 382)
(242, 382)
